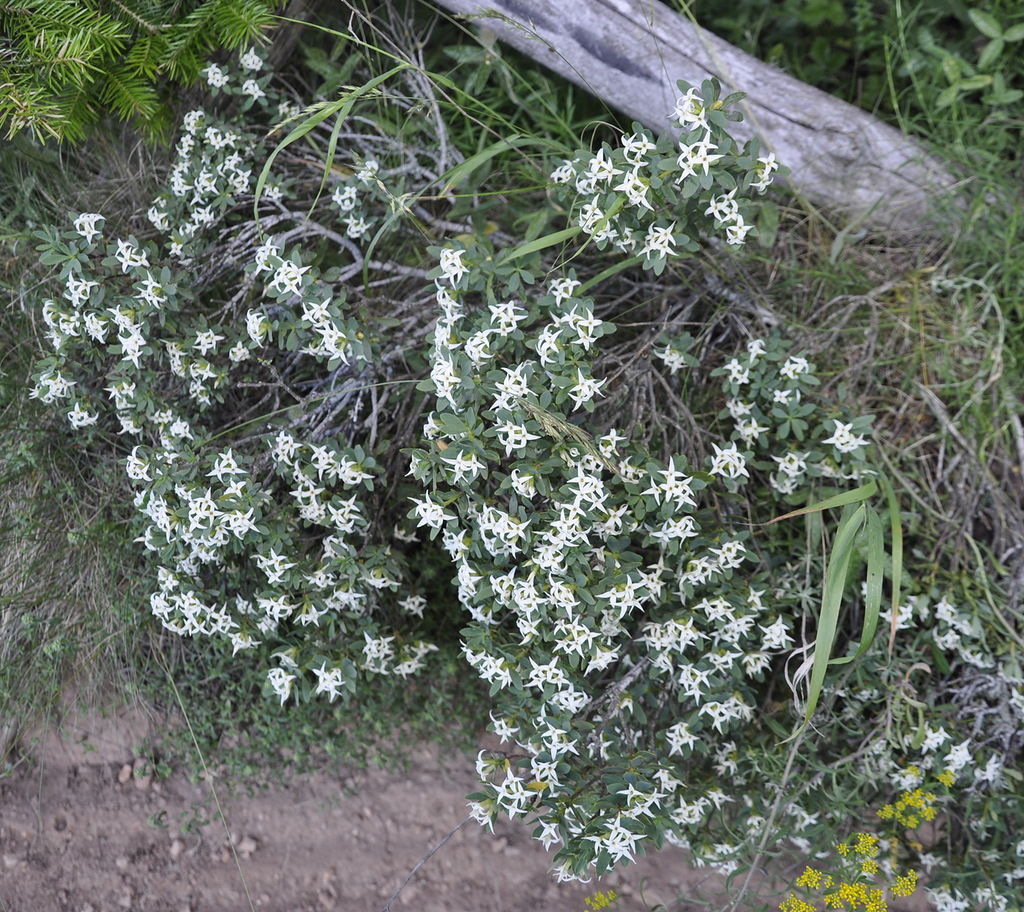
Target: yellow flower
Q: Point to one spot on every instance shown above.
(867, 844)
(813, 879)
(905, 884)
(795, 904)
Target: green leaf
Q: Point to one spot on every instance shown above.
(986, 23)
(342, 107)
(896, 536)
(947, 97)
(839, 500)
(542, 243)
(457, 175)
(831, 603)
(991, 53)
(976, 82)
(873, 596)
(1014, 32)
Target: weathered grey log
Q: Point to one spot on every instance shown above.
(631, 52)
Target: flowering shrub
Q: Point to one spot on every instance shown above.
(638, 621)
(254, 494)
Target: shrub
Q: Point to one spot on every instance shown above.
(647, 633)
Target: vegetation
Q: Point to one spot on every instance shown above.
(720, 507)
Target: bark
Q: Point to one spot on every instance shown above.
(630, 53)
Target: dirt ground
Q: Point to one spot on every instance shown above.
(79, 832)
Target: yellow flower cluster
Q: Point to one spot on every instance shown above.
(905, 884)
(911, 809)
(861, 850)
(814, 880)
(601, 900)
(854, 896)
(794, 904)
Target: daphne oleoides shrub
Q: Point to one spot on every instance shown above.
(637, 621)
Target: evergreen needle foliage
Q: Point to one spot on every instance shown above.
(65, 64)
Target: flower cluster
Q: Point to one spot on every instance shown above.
(855, 888)
(635, 619)
(623, 627)
(258, 533)
(655, 198)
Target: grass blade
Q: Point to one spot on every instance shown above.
(831, 603)
(840, 500)
(320, 113)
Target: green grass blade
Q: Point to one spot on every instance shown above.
(462, 170)
(341, 107)
(542, 243)
(873, 597)
(831, 603)
(840, 500)
(896, 534)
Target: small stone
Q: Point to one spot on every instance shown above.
(177, 847)
(142, 773)
(246, 846)
(11, 861)
(499, 845)
(125, 774)
(121, 863)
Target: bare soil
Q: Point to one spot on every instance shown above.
(81, 830)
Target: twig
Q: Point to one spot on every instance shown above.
(422, 861)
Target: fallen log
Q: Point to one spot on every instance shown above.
(630, 53)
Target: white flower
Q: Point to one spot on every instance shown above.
(251, 61)
(637, 147)
(344, 197)
(129, 256)
(736, 233)
(523, 483)
(738, 373)
(585, 389)
(464, 467)
(368, 173)
(257, 326)
(280, 682)
(690, 111)
(563, 173)
(80, 417)
(86, 223)
(513, 437)
(776, 636)
(749, 430)
(215, 78)
(452, 267)
(635, 189)
(562, 289)
(659, 241)
(430, 514)
(252, 88)
(723, 208)
(843, 438)
(729, 463)
(288, 278)
(239, 353)
(601, 167)
(696, 157)
(793, 367)
(329, 681)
